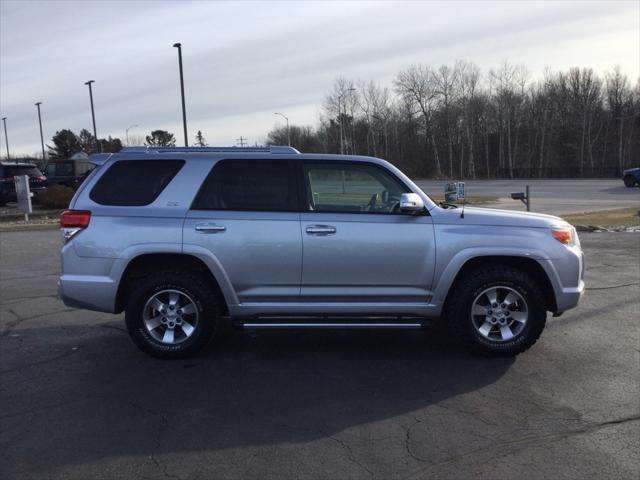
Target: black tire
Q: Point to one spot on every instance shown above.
(467, 289)
(629, 181)
(187, 284)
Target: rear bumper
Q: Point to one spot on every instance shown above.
(88, 292)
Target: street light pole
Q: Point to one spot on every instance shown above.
(6, 139)
(93, 114)
(184, 112)
(287, 119)
(126, 132)
(44, 158)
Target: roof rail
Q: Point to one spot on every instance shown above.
(99, 158)
(271, 150)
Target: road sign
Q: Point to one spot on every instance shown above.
(460, 190)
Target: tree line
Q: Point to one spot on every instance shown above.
(455, 122)
(65, 143)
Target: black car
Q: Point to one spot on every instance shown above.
(37, 181)
(70, 173)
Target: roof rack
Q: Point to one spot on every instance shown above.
(270, 150)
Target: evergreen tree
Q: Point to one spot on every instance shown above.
(200, 140)
(160, 138)
(87, 141)
(65, 144)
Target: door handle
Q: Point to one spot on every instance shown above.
(209, 228)
(321, 230)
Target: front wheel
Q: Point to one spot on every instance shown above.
(629, 181)
(497, 310)
(171, 315)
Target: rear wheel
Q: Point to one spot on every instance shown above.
(629, 180)
(498, 310)
(172, 315)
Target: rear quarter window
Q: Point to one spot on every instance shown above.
(134, 183)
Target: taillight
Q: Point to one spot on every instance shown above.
(73, 221)
(563, 234)
(6, 179)
(41, 178)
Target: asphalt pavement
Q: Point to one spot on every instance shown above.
(553, 196)
(79, 400)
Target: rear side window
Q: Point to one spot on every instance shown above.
(133, 183)
(247, 185)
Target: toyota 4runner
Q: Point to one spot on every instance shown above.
(179, 238)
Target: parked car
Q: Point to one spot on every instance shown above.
(631, 177)
(70, 173)
(37, 181)
(178, 237)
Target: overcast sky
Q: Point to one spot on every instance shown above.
(243, 61)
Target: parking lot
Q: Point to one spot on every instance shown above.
(80, 401)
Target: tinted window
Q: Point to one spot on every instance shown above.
(351, 188)
(12, 171)
(64, 169)
(254, 185)
(134, 182)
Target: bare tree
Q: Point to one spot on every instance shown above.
(417, 87)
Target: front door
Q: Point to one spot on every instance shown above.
(357, 245)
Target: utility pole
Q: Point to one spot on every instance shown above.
(242, 141)
(287, 119)
(93, 114)
(6, 139)
(44, 158)
(184, 112)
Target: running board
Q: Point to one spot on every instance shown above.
(333, 326)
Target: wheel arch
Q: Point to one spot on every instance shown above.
(527, 264)
(147, 263)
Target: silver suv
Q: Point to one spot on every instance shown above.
(180, 238)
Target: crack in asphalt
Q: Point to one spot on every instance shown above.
(13, 300)
(11, 325)
(350, 455)
(613, 286)
(592, 427)
(161, 430)
(41, 362)
(407, 440)
(113, 327)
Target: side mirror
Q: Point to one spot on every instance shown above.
(411, 203)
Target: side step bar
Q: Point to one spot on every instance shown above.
(332, 326)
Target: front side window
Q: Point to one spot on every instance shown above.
(134, 182)
(352, 188)
(247, 185)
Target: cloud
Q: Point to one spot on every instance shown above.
(245, 60)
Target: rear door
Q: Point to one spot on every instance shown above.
(245, 215)
(357, 245)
